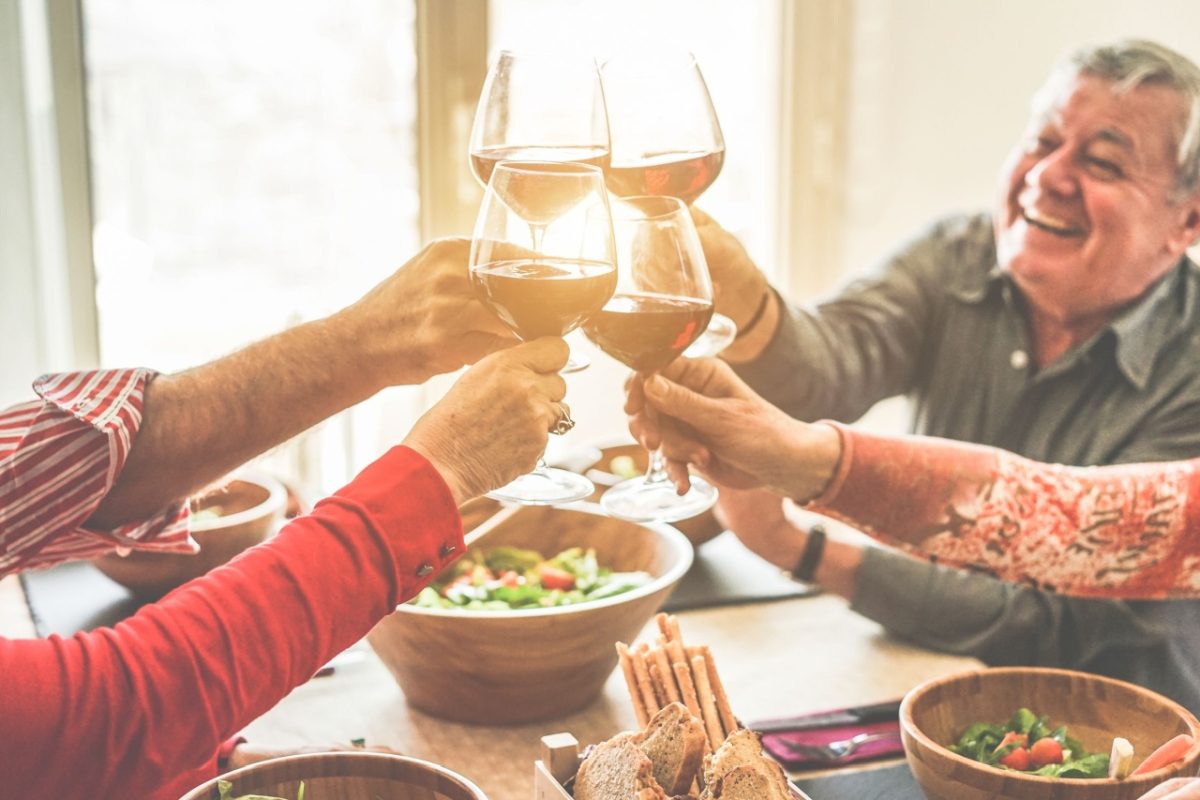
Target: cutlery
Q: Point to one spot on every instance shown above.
(879, 712)
(834, 751)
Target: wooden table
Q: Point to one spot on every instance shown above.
(776, 659)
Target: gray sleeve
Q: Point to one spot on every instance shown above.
(840, 357)
(1000, 623)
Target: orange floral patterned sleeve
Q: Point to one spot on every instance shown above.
(1127, 531)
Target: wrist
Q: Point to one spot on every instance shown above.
(756, 329)
(362, 344)
(815, 454)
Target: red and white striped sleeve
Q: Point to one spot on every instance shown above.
(59, 457)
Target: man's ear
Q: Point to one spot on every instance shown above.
(1187, 232)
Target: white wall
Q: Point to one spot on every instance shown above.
(941, 91)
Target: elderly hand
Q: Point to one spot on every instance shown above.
(493, 423)
(757, 519)
(705, 415)
(424, 319)
(1175, 789)
(738, 283)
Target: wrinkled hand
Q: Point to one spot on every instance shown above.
(738, 283)
(1175, 789)
(757, 519)
(703, 414)
(493, 423)
(424, 319)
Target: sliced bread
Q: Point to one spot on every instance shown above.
(739, 770)
(674, 740)
(617, 768)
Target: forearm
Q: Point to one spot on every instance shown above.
(1120, 531)
(200, 424)
(164, 688)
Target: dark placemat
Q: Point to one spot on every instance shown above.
(883, 783)
(74, 597)
(726, 573)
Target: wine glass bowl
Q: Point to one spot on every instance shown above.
(662, 304)
(664, 133)
(539, 107)
(542, 259)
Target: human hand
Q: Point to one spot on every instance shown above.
(424, 319)
(738, 283)
(718, 423)
(493, 423)
(757, 519)
(1175, 789)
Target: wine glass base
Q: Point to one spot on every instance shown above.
(545, 487)
(576, 363)
(639, 500)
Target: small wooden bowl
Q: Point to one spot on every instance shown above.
(250, 507)
(1094, 709)
(509, 667)
(345, 776)
(698, 529)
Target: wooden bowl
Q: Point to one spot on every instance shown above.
(250, 506)
(698, 529)
(1094, 709)
(345, 776)
(509, 667)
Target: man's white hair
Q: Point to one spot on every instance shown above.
(1129, 63)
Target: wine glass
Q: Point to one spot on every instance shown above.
(663, 302)
(542, 259)
(540, 107)
(666, 140)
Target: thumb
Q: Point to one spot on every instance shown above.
(699, 411)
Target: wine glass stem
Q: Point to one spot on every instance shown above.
(540, 467)
(537, 233)
(658, 468)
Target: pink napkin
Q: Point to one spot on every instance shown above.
(889, 746)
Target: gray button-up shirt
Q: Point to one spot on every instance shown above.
(941, 323)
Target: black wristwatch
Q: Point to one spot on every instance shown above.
(810, 558)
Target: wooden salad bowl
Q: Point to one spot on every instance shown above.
(1094, 709)
(251, 506)
(344, 776)
(510, 667)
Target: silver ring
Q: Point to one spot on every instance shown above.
(565, 423)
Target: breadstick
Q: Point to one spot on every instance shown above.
(675, 651)
(663, 626)
(643, 681)
(657, 682)
(712, 720)
(635, 696)
(728, 720)
(668, 675)
(687, 689)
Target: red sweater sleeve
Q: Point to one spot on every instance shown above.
(1129, 530)
(141, 709)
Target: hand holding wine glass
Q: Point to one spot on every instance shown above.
(542, 258)
(662, 304)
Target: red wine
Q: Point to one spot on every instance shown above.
(484, 161)
(678, 174)
(648, 331)
(544, 296)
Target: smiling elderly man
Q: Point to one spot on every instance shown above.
(1065, 327)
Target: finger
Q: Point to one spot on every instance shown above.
(644, 431)
(547, 354)
(702, 413)
(1175, 789)
(635, 399)
(711, 377)
(677, 471)
(699, 217)
(550, 385)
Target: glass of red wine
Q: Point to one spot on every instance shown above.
(540, 107)
(666, 140)
(543, 260)
(662, 304)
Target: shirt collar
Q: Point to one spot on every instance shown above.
(1143, 329)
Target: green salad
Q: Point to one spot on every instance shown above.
(510, 578)
(1028, 744)
(226, 790)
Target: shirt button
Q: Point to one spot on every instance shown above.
(424, 570)
(446, 550)
(1019, 359)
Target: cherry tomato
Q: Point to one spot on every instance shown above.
(511, 579)
(1045, 751)
(555, 578)
(1018, 759)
